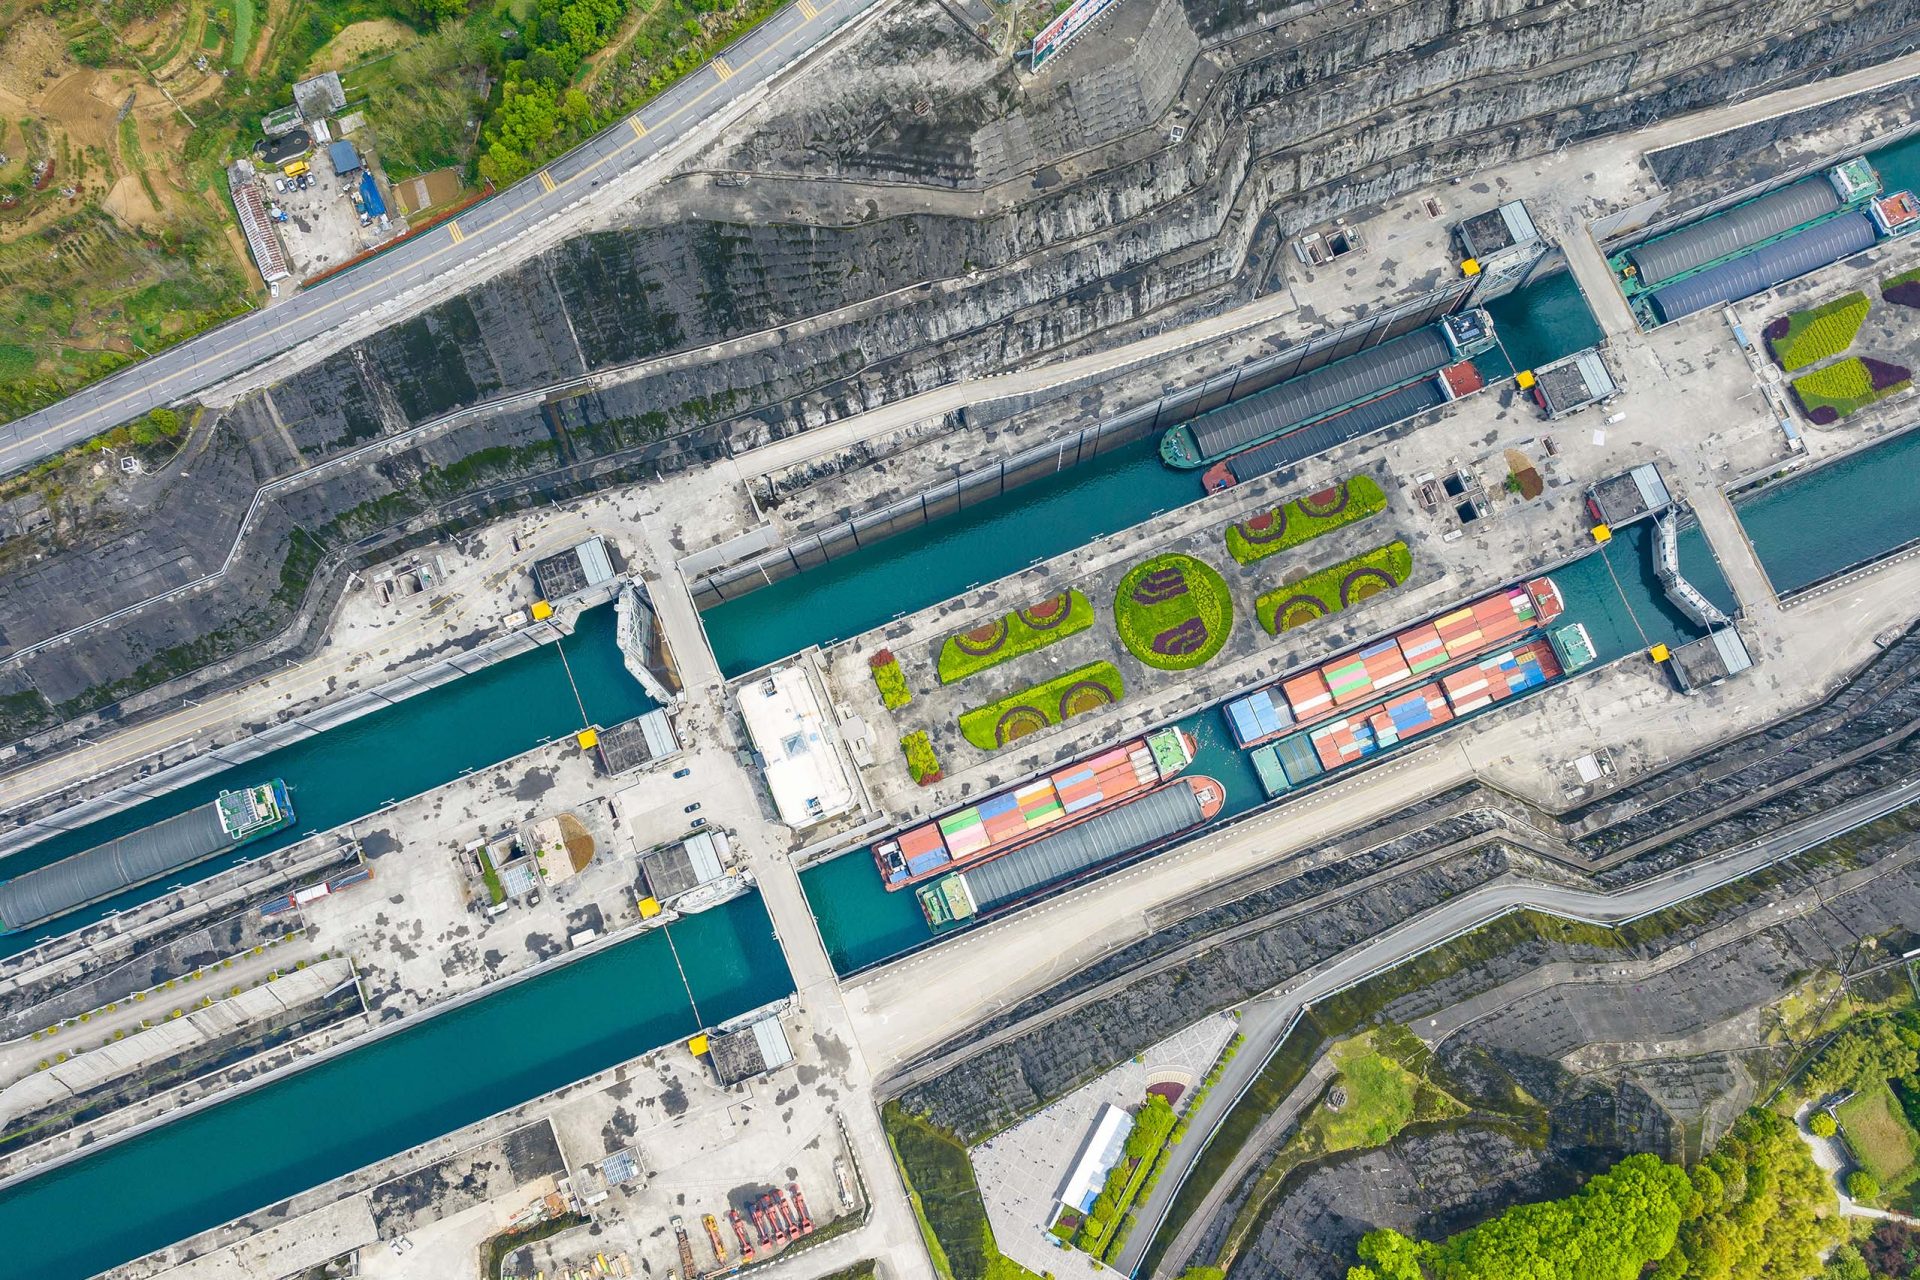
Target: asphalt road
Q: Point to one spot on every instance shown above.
(1459, 915)
(184, 370)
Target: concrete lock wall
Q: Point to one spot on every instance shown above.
(1048, 458)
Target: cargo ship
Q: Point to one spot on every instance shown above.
(1307, 754)
(1365, 673)
(224, 824)
(1010, 819)
(1072, 852)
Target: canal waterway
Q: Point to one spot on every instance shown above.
(1612, 590)
(912, 571)
(381, 1099)
(401, 751)
(1836, 516)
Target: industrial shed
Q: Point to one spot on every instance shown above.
(1050, 859)
(1764, 268)
(1692, 247)
(755, 1049)
(1314, 395)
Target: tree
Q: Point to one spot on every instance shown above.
(1862, 1185)
(1892, 1251)
(1822, 1125)
(1846, 1264)
(165, 421)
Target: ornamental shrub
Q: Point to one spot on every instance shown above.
(1818, 333)
(1173, 612)
(1822, 1125)
(1303, 519)
(922, 763)
(890, 680)
(1023, 631)
(1334, 588)
(1862, 1185)
(1040, 706)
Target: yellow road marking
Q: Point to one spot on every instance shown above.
(807, 10)
(454, 229)
(546, 180)
(639, 130)
(375, 281)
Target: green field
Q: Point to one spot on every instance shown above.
(1300, 521)
(1879, 1136)
(1009, 636)
(1334, 588)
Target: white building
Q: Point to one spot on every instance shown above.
(795, 744)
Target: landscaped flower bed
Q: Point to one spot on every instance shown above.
(1304, 519)
(1022, 631)
(1832, 393)
(922, 763)
(1903, 289)
(890, 680)
(1817, 333)
(1015, 716)
(1173, 612)
(1334, 588)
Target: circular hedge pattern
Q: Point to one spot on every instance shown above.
(1088, 695)
(1362, 583)
(1018, 722)
(1047, 614)
(1298, 611)
(1327, 502)
(984, 639)
(1173, 612)
(1268, 526)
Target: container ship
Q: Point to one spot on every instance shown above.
(1072, 852)
(1010, 819)
(1362, 674)
(1307, 754)
(234, 819)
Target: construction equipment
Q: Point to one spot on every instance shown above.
(772, 1207)
(740, 1230)
(786, 1211)
(686, 1248)
(713, 1238)
(845, 1182)
(760, 1223)
(800, 1205)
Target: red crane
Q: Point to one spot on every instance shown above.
(786, 1211)
(772, 1207)
(800, 1203)
(740, 1229)
(760, 1222)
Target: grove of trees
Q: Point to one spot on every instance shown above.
(1757, 1208)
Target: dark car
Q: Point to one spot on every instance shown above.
(681, 773)
(699, 822)
(690, 808)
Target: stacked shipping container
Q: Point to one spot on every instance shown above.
(1300, 757)
(1355, 677)
(1003, 822)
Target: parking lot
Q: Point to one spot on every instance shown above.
(323, 227)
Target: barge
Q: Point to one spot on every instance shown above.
(1308, 754)
(233, 819)
(1016, 817)
(1292, 404)
(1068, 855)
(1364, 673)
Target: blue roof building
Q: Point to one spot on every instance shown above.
(344, 157)
(371, 203)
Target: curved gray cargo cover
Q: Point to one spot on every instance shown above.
(1150, 819)
(1764, 268)
(1664, 257)
(147, 854)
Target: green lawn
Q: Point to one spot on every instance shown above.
(1079, 691)
(946, 1200)
(1300, 521)
(1879, 1136)
(1335, 588)
(1009, 636)
(1846, 386)
(1173, 612)
(242, 33)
